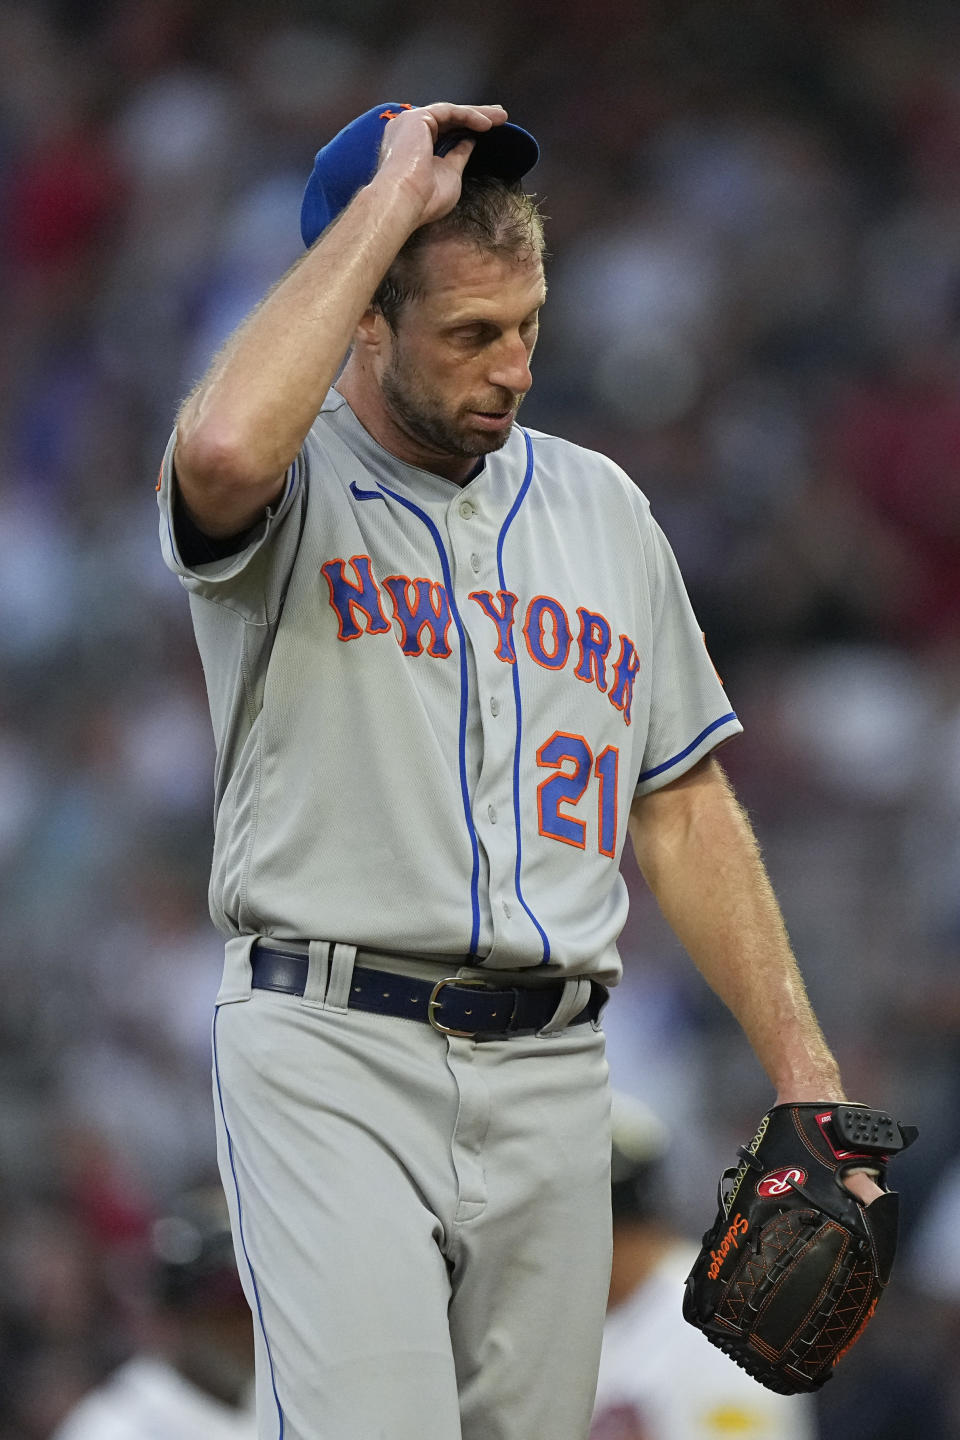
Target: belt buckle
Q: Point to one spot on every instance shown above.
(433, 1004)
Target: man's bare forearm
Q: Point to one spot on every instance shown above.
(698, 853)
(245, 422)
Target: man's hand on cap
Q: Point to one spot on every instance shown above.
(407, 152)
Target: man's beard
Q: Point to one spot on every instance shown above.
(420, 417)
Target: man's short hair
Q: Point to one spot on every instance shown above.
(499, 219)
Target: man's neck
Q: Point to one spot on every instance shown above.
(365, 401)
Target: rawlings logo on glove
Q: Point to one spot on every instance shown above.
(786, 1283)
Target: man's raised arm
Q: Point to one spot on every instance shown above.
(245, 422)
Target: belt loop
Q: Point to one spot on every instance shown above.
(318, 972)
(576, 994)
(341, 976)
(237, 970)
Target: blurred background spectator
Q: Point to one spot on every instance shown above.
(191, 1376)
(755, 308)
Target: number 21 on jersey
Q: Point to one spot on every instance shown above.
(574, 765)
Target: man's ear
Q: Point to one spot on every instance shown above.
(372, 333)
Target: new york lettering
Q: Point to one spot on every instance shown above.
(422, 618)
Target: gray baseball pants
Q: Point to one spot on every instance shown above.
(421, 1222)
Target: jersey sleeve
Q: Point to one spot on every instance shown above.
(689, 711)
(254, 574)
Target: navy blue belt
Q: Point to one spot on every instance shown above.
(456, 1005)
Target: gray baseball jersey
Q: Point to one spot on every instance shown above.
(434, 704)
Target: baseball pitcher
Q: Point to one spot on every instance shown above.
(451, 664)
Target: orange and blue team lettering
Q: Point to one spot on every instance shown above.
(567, 788)
(502, 618)
(605, 768)
(535, 631)
(429, 610)
(625, 672)
(594, 642)
(346, 598)
(562, 788)
(422, 605)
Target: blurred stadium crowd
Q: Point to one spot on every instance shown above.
(755, 308)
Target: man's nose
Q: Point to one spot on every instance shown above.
(511, 366)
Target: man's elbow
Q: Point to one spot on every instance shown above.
(222, 487)
(215, 456)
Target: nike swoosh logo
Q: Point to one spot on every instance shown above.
(364, 494)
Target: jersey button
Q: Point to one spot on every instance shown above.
(466, 509)
(475, 562)
(494, 705)
(491, 811)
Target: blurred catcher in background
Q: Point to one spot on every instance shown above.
(658, 1380)
(192, 1377)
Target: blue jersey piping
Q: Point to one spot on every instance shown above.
(464, 695)
(516, 700)
(243, 1239)
(675, 759)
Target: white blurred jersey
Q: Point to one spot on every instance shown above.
(146, 1399)
(660, 1379)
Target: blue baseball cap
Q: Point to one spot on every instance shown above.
(350, 159)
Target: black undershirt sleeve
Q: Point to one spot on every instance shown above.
(194, 546)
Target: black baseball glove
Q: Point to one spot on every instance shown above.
(794, 1265)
